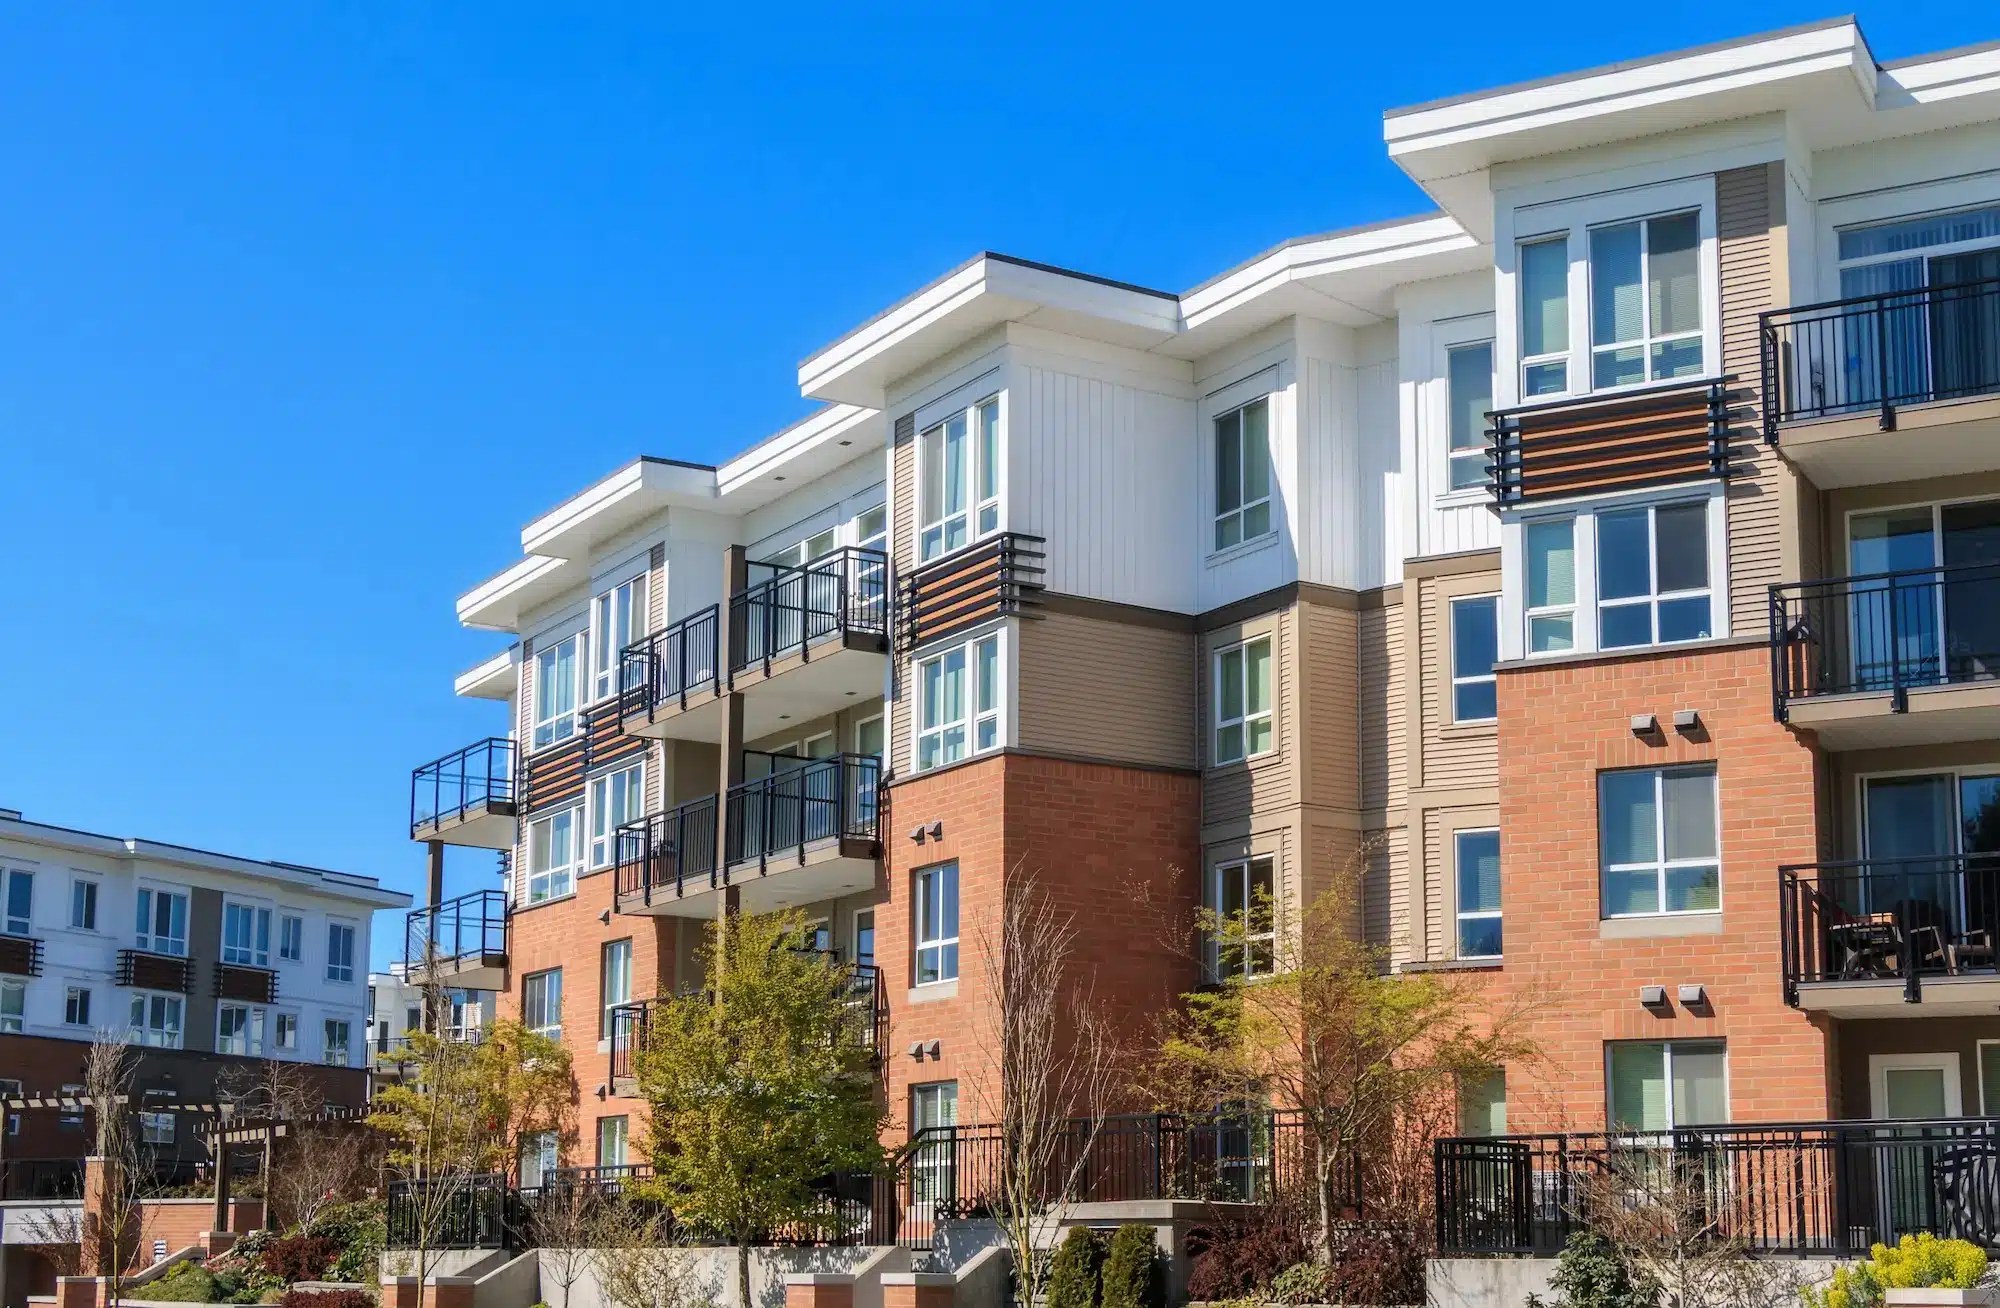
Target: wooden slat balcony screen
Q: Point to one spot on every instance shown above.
(20, 955)
(995, 578)
(555, 775)
(146, 971)
(256, 985)
(1655, 436)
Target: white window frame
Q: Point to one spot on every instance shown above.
(146, 1004)
(283, 1023)
(553, 1030)
(24, 925)
(611, 995)
(558, 879)
(156, 1127)
(336, 971)
(1269, 500)
(1661, 864)
(1460, 914)
(972, 720)
(983, 514)
(605, 818)
(257, 951)
(553, 725)
(607, 641)
(291, 937)
(1218, 877)
(1646, 340)
(250, 1043)
(928, 935)
(343, 1047)
(931, 1167)
(1489, 677)
(84, 892)
(1654, 597)
(70, 1015)
(1667, 1071)
(1218, 723)
(1450, 342)
(619, 1129)
(13, 1005)
(149, 939)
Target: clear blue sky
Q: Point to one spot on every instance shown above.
(306, 308)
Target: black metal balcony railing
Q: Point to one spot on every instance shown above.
(1885, 633)
(628, 1035)
(667, 855)
(470, 927)
(1876, 353)
(801, 804)
(41, 1178)
(672, 666)
(797, 605)
(1800, 1188)
(479, 776)
(1889, 919)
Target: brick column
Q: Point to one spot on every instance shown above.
(448, 1292)
(101, 1186)
(402, 1292)
(82, 1291)
(819, 1290)
(917, 1290)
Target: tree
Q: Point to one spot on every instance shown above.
(113, 1220)
(760, 1088)
(1308, 1016)
(1046, 1045)
(638, 1264)
(270, 1090)
(565, 1217)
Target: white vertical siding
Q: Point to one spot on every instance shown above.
(1432, 316)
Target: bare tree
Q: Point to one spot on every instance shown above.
(565, 1218)
(318, 1166)
(1047, 1046)
(637, 1262)
(113, 1220)
(58, 1229)
(270, 1091)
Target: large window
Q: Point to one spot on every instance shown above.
(1469, 398)
(1243, 717)
(933, 1108)
(1657, 834)
(1482, 1105)
(1477, 855)
(239, 1029)
(156, 1020)
(614, 981)
(339, 951)
(541, 1002)
(156, 1128)
(1243, 474)
(955, 718)
(1645, 301)
(612, 1135)
(162, 927)
(1544, 277)
(555, 691)
(959, 459)
(937, 924)
(1656, 1085)
(617, 619)
(1475, 648)
(19, 902)
(615, 799)
(1652, 575)
(552, 854)
(1242, 894)
(246, 935)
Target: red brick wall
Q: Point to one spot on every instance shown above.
(1559, 726)
(181, 1222)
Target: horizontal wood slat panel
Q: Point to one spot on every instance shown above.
(20, 956)
(145, 971)
(257, 985)
(997, 577)
(1659, 436)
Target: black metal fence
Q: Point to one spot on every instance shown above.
(41, 1178)
(1875, 353)
(801, 804)
(1884, 919)
(795, 605)
(472, 926)
(665, 855)
(672, 666)
(1885, 633)
(1805, 1189)
(479, 776)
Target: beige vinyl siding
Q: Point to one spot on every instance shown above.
(524, 732)
(1234, 791)
(1746, 201)
(1454, 755)
(1093, 688)
(1436, 863)
(1379, 727)
(1329, 700)
(903, 494)
(1388, 897)
(656, 618)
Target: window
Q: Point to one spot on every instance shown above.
(1469, 398)
(291, 938)
(1657, 831)
(1989, 1077)
(541, 1154)
(246, 935)
(1551, 589)
(612, 1133)
(1243, 721)
(239, 1029)
(76, 1006)
(555, 691)
(937, 924)
(615, 799)
(162, 922)
(1243, 892)
(948, 719)
(541, 1002)
(552, 855)
(1243, 474)
(618, 618)
(960, 498)
(156, 1020)
(1544, 278)
(156, 1128)
(615, 981)
(864, 937)
(1656, 1085)
(1652, 575)
(336, 1035)
(1482, 1105)
(83, 905)
(339, 951)
(1475, 648)
(933, 1106)
(1477, 854)
(13, 1005)
(20, 901)
(1645, 301)
(285, 1031)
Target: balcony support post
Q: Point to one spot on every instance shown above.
(434, 872)
(735, 574)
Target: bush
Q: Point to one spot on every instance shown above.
(361, 1231)
(299, 1257)
(1076, 1272)
(1238, 1252)
(182, 1283)
(1378, 1262)
(1304, 1283)
(326, 1299)
(1590, 1274)
(1131, 1277)
(1916, 1262)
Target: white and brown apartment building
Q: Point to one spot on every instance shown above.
(1611, 554)
(203, 962)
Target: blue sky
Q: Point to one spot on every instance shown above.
(306, 308)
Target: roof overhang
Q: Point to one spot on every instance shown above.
(497, 603)
(813, 447)
(325, 881)
(490, 679)
(617, 503)
(973, 298)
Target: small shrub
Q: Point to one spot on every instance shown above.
(1132, 1275)
(361, 1231)
(299, 1257)
(326, 1299)
(1590, 1274)
(1076, 1271)
(1914, 1262)
(1236, 1252)
(182, 1283)
(1302, 1283)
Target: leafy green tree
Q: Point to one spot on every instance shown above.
(760, 1086)
(470, 1105)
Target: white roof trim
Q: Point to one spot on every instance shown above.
(489, 679)
(493, 603)
(833, 422)
(640, 487)
(1324, 257)
(341, 885)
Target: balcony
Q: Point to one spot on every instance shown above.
(20, 955)
(1599, 444)
(998, 577)
(628, 1035)
(466, 798)
(145, 970)
(1827, 1189)
(1885, 388)
(461, 942)
(1866, 937)
(863, 985)
(668, 687)
(666, 858)
(254, 985)
(808, 638)
(1893, 658)
(808, 831)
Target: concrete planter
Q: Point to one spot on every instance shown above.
(1979, 1296)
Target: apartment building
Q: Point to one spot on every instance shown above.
(203, 962)
(1601, 559)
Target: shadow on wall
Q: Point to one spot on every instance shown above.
(712, 1276)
